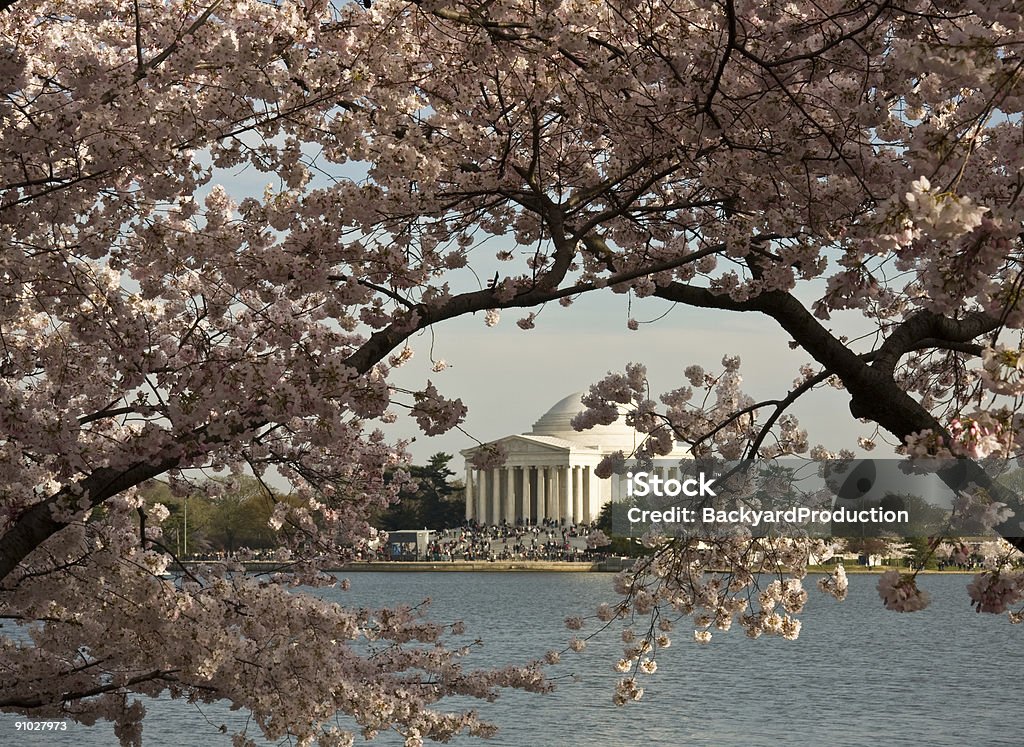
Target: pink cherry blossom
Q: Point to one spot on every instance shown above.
(899, 592)
(160, 319)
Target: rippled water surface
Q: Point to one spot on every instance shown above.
(858, 675)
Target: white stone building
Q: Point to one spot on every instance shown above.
(549, 473)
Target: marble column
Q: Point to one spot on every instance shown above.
(469, 493)
(589, 499)
(492, 516)
(570, 484)
(542, 494)
(577, 495)
(527, 496)
(481, 498)
(510, 496)
(555, 504)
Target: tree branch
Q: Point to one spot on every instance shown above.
(39, 701)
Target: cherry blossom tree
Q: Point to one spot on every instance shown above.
(786, 160)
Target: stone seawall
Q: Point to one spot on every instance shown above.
(609, 565)
(470, 565)
(393, 566)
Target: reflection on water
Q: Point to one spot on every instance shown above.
(857, 675)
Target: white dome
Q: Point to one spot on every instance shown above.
(557, 422)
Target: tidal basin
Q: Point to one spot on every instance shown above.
(857, 675)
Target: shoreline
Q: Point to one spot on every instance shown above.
(497, 566)
(611, 565)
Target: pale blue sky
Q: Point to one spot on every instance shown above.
(509, 377)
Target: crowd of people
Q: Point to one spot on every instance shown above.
(549, 540)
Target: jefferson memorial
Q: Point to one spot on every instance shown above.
(549, 473)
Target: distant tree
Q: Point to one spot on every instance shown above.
(236, 514)
(920, 552)
(442, 503)
(867, 546)
(241, 517)
(612, 520)
(613, 516)
(403, 514)
(186, 530)
(923, 519)
(431, 501)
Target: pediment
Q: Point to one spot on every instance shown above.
(526, 445)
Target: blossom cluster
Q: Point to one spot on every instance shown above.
(683, 580)
(723, 422)
(995, 591)
(899, 592)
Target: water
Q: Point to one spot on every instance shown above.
(857, 675)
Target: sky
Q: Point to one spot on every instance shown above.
(509, 377)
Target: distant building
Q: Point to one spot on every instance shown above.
(549, 473)
(410, 544)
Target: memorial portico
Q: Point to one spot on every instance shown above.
(540, 480)
(549, 473)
